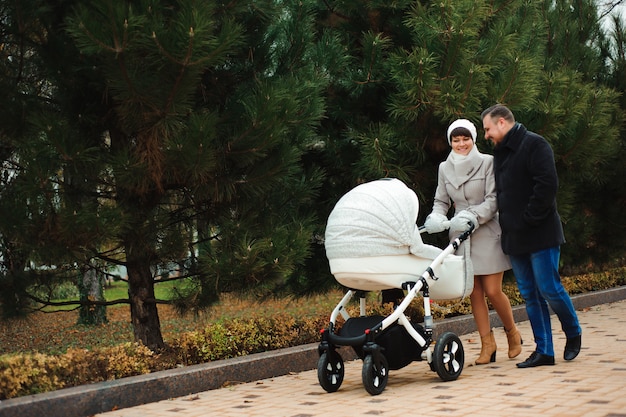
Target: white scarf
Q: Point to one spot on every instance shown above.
(460, 168)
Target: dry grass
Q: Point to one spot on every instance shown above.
(54, 333)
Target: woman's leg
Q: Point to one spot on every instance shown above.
(480, 310)
(492, 285)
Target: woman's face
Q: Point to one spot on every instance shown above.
(462, 144)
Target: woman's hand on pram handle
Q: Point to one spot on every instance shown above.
(436, 223)
(463, 220)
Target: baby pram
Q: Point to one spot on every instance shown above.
(373, 243)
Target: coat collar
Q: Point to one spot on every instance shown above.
(513, 138)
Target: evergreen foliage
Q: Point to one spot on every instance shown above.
(209, 141)
(186, 150)
(542, 59)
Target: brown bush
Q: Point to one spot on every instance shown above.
(24, 374)
(239, 337)
(32, 373)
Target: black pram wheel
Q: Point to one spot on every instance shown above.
(375, 376)
(330, 370)
(448, 356)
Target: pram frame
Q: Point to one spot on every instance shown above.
(374, 374)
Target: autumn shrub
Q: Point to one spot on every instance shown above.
(596, 281)
(231, 338)
(23, 374)
(27, 374)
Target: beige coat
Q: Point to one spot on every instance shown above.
(469, 184)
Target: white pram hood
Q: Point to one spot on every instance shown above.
(373, 242)
(375, 219)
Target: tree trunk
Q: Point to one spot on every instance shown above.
(90, 288)
(143, 309)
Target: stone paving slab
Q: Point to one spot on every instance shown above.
(152, 389)
(594, 384)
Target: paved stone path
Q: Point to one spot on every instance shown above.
(593, 385)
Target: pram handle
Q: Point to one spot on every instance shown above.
(446, 224)
(468, 232)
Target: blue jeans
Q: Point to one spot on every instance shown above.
(539, 283)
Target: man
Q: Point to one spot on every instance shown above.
(526, 186)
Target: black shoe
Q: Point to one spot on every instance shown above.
(536, 359)
(572, 347)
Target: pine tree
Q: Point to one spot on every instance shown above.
(413, 67)
(177, 144)
(236, 103)
(578, 112)
(605, 198)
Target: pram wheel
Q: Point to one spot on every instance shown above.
(330, 370)
(375, 376)
(448, 357)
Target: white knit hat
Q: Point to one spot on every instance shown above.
(462, 123)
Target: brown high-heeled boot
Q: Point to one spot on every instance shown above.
(488, 349)
(514, 338)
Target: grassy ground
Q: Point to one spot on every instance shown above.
(55, 332)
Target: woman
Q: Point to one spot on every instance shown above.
(466, 180)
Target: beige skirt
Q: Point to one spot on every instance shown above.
(486, 250)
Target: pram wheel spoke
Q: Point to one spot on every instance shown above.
(330, 370)
(448, 357)
(374, 375)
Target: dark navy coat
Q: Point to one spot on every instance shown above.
(526, 186)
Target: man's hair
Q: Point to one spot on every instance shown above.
(498, 110)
